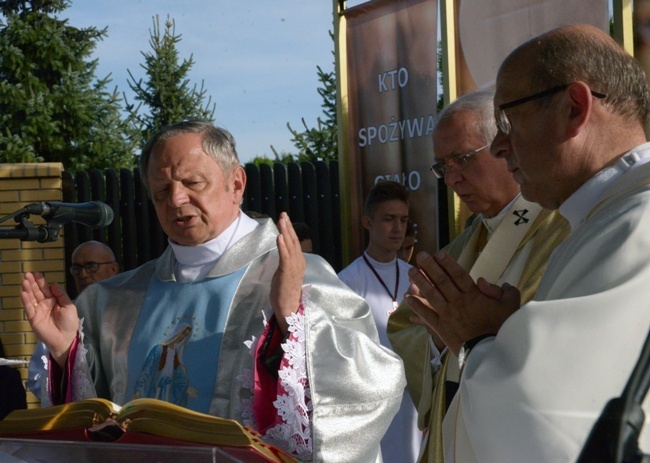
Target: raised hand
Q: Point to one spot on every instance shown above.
(286, 286)
(450, 303)
(51, 314)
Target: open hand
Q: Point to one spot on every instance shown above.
(51, 314)
(286, 286)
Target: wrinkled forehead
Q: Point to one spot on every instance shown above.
(455, 135)
(183, 154)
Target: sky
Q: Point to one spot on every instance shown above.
(257, 58)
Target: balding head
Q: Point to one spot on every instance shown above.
(584, 53)
(89, 255)
(568, 104)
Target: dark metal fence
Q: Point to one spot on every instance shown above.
(308, 192)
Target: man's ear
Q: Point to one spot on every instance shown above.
(581, 102)
(115, 269)
(366, 222)
(238, 183)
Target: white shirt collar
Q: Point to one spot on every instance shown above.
(376, 262)
(194, 262)
(576, 207)
(491, 223)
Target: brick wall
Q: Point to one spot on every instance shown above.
(21, 184)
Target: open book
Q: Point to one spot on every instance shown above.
(140, 421)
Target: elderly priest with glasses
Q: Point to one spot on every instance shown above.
(571, 107)
(510, 240)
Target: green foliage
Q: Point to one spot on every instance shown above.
(259, 160)
(320, 142)
(166, 95)
(52, 108)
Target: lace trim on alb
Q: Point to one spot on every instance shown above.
(81, 383)
(292, 433)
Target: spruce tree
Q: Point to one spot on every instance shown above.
(52, 107)
(166, 97)
(320, 142)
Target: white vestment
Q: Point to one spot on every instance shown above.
(401, 443)
(533, 393)
(518, 246)
(354, 385)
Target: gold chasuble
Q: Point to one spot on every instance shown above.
(519, 243)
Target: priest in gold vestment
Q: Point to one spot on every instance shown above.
(571, 106)
(509, 241)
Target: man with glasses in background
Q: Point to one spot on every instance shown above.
(92, 262)
(571, 107)
(509, 241)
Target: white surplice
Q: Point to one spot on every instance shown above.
(533, 393)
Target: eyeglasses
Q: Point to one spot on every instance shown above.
(454, 164)
(90, 267)
(503, 123)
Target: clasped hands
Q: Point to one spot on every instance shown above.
(450, 305)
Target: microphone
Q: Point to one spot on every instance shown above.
(94, 214)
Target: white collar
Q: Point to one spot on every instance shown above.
(492, 223)
(194, 262)
(376, 262)
(576, 207)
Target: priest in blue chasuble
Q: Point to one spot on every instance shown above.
(232, 320)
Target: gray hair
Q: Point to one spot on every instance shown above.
(480, 103)
(218, 143)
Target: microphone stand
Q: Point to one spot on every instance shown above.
(615, 436)
(27, 231)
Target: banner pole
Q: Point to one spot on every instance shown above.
(450, 93)
(342, 120)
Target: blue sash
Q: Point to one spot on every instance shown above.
(174, 351)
